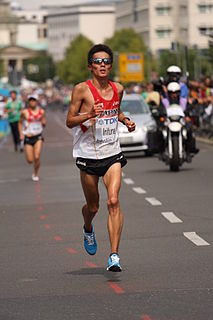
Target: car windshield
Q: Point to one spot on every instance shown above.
(134, 106)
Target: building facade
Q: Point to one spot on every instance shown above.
(11, 52)
(96, 22)
(32, 29)
(163, 22)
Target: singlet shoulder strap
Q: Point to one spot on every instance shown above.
(40, 112)
(95, 93)
(114, 89)
(93, 90)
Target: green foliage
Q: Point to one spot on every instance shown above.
(194, 61)
(126, 40)
(166, 59)
(74, 67)
(1, 68)
(40, 68)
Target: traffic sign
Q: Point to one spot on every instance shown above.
(131, 67)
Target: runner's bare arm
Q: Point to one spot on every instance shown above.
(43, 119)
(20, 125)
(78, 97)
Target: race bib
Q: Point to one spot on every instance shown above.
(35, 127)
(106, 130)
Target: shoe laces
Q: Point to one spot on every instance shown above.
(115, 258)
(90, 239)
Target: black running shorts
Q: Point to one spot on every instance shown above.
(99, 167)
(32, 140)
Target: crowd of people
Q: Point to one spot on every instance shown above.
(198, 95)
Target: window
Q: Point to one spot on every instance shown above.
(163, 33)
(206, 30)
(205, 8)
(163, 11)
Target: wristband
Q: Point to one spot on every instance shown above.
(123, 121)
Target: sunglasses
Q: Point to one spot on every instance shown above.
(100, 60)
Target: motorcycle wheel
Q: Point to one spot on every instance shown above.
(174, 163)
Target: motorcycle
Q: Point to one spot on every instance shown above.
(174, 134)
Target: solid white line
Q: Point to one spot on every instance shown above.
(192, 236)
(128, 181)
(139, 190)
(154, 201)
(171, 217)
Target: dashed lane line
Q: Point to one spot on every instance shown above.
(128, 181)
(139, 190)
(171, 217)
(154, 201)
(196, 239)
(116, 288)
(9, 180)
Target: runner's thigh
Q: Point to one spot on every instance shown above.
(112, 179)
(90, 187)
(29, 152)
(37, 148)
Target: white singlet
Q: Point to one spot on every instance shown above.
(99, 140)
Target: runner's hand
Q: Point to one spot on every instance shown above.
(97, 109)
(130, 125)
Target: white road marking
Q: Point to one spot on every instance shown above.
(28, 280)
(171, 217)
(9, 180)
(192, 236)
(154, 201)
(128, 181)
(123, 174)
(139, 190)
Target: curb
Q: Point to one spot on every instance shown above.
(204, 140)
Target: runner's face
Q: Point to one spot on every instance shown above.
(100, 70)
(32, 103)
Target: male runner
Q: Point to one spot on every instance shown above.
(13, 109)
(31, 126)
(94, 114)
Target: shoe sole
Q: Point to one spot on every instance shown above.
(114, 269)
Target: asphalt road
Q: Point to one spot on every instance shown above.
(166, 246)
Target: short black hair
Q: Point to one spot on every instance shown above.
(13, 91)
(98, 48)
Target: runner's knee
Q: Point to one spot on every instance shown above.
(36, 158)
(93, 209)
(113, 202)
(30, 161)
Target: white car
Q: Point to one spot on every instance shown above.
(134, 107)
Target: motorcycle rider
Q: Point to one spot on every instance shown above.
(174, 75)
(174, 97)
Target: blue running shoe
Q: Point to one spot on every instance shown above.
(114, 263)
(90, 244)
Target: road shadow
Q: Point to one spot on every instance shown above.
(167, 171)
(110, 276)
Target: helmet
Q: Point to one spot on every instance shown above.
(173, 87)
(174, 69)
(174, 73)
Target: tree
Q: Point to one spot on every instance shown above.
(74, 68)
(1, 68)
(190, 60)
(126, 40)
(40, 68)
